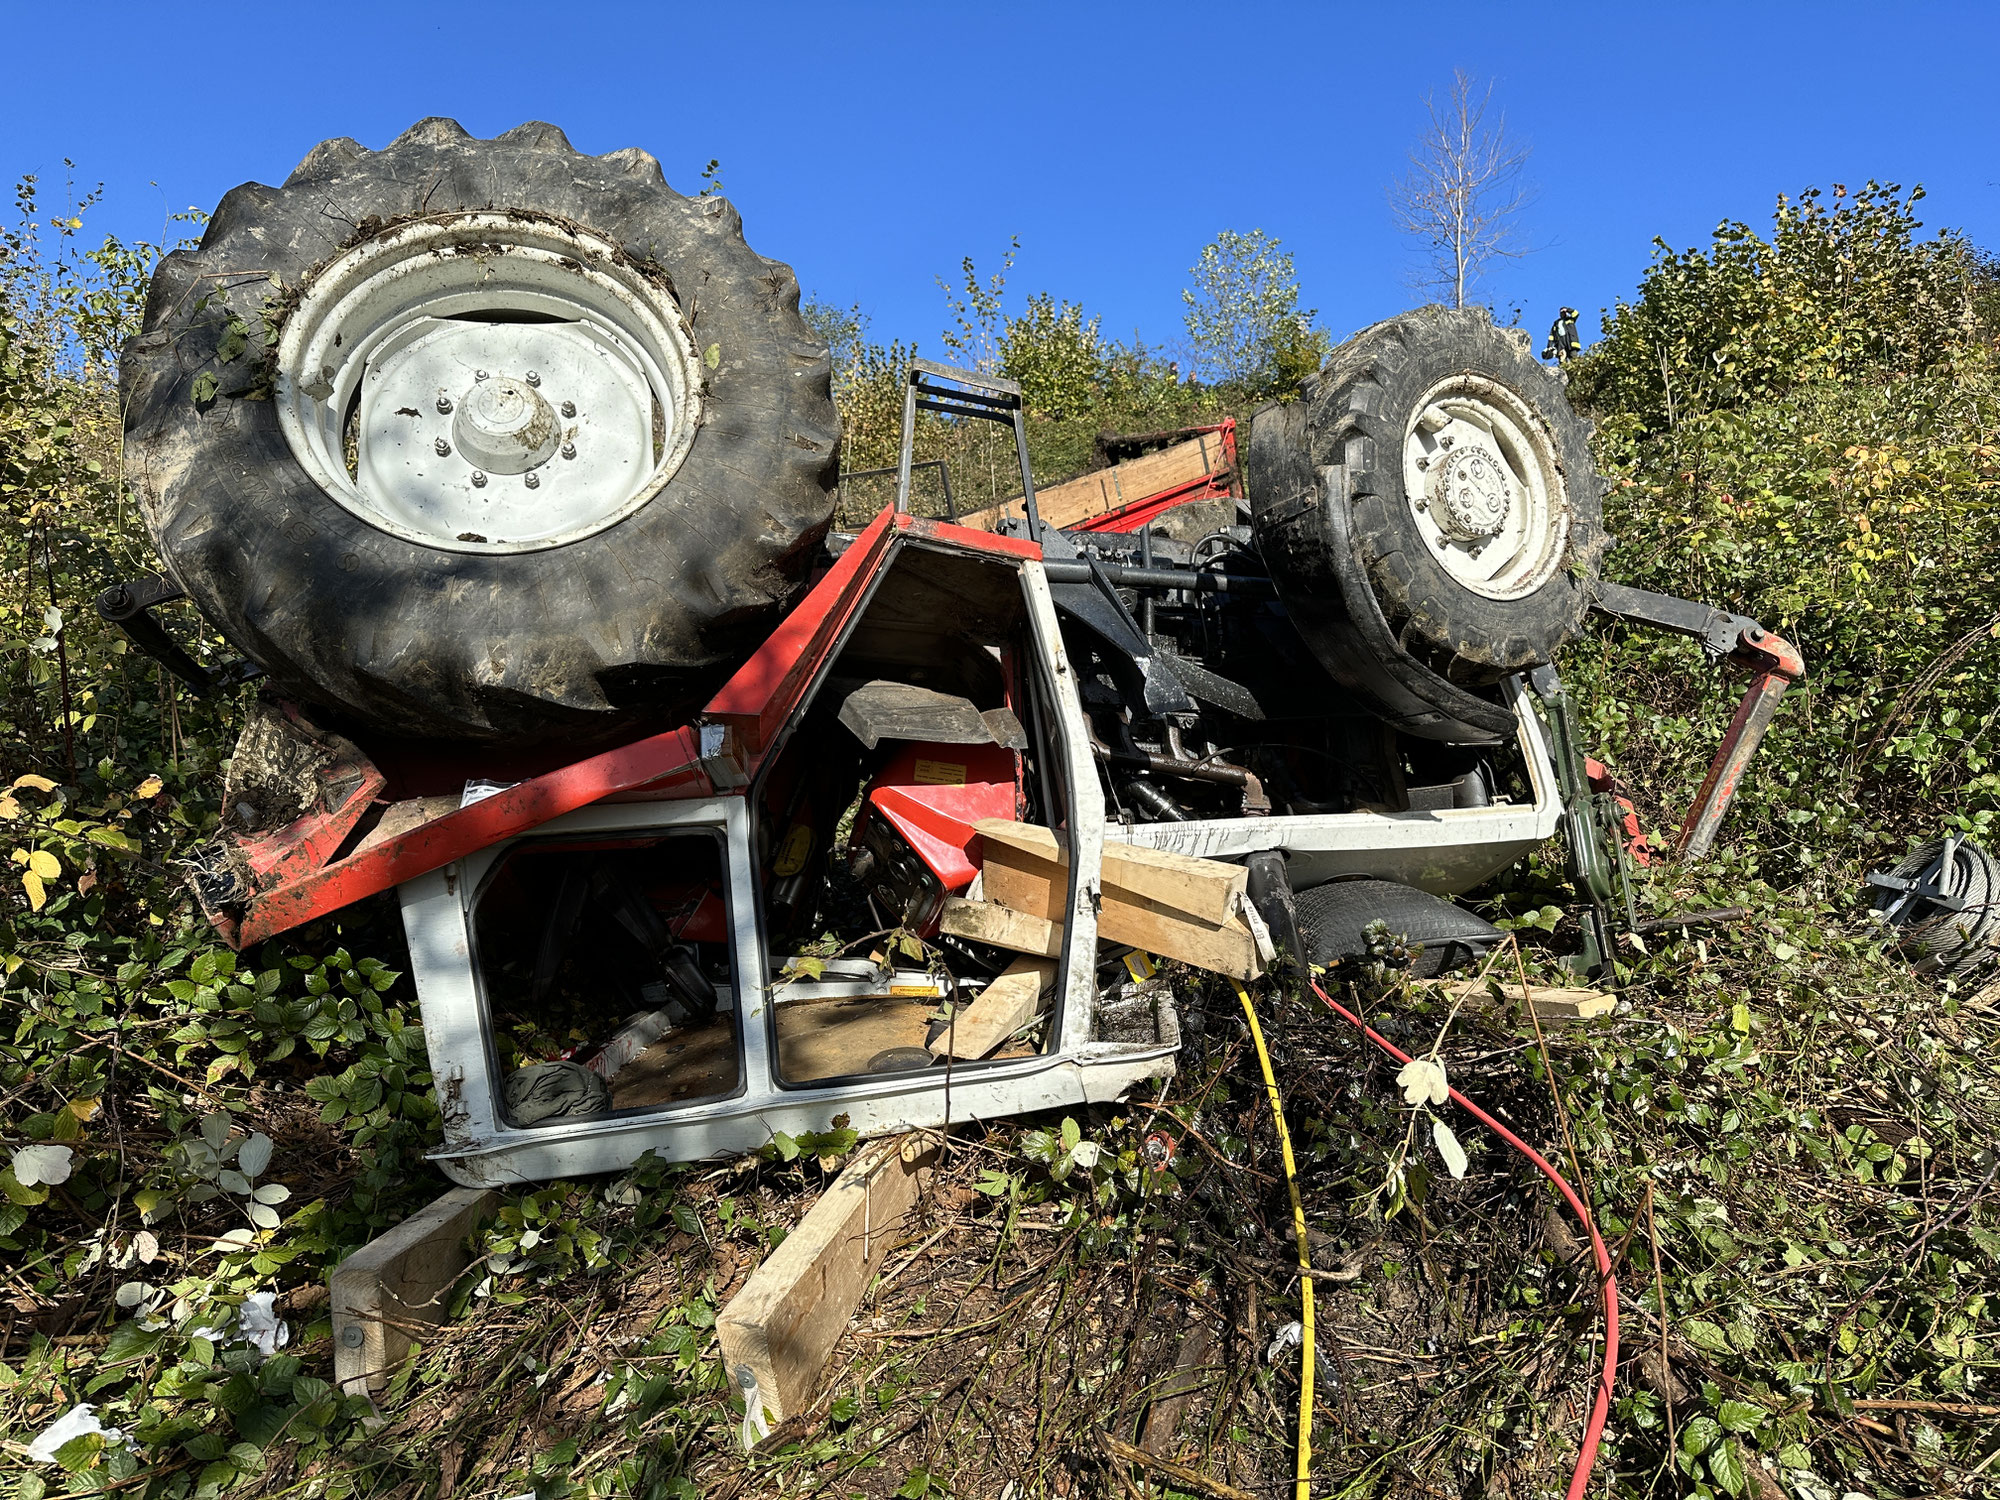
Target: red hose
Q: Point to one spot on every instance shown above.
(1607, 1285)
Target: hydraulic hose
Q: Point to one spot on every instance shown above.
(1607, 1285)
(1301, 1486)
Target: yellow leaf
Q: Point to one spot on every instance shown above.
(32, 884)
(9, 808)
(44, 864)
(150, 787)
(85, 1109)
(39, 783)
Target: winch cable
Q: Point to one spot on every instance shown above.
(1607, 1285)
(1302, 1485)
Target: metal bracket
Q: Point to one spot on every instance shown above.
(1585, 818)
(1773, 663)
(129, 606)
(986, 398)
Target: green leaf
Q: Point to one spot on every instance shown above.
(1705, 1335)
(129, 1342)
(1725, 1462)
(788, 1149)
(235, 339)
(1741, 1416)
(1700, 1435)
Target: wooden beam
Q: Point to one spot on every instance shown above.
(1205, 888)
(389, 1290)
(1000, 1010)
(790, 1314)
(1037, 888)
(984, 922)
(1105, 490)
(1549, 1005)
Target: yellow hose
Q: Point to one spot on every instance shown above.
(1302, 1485)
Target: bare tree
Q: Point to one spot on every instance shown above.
(1464, 189)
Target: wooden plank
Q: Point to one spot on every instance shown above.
(1038, 888)
(834, 1038)
(1549, 1005)
(984, 922)
(1105, 490)
(792, 1311)
(1205, 888)
(1000, 1010)
(389, 1290)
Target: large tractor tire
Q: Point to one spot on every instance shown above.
(1430, 516)
(480, 440)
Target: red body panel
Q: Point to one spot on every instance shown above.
(935, 817)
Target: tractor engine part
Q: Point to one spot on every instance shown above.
(536, 452)
(914, 842)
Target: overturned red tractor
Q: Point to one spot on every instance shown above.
(510, 472)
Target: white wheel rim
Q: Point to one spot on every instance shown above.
(1484, 487)
(488, 383)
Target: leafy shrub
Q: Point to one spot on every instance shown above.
(1800, 428)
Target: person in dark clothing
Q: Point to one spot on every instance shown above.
(1563, 341)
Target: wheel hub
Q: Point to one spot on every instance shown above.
(1485, 488)
(505, 427)
(488, 383)
(1470, 495)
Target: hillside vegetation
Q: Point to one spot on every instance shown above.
(1788, 1140)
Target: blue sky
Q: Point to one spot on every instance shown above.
(1114, 140)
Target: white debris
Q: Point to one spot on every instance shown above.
(260, 1325)
(78, 1421)
(46, 1165)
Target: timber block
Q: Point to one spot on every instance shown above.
(393, 1287)
(787, 1318)
(1549, 1005)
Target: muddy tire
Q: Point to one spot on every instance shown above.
(482, 439)
(1466, 490)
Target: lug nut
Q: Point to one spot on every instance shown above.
(478, 374)
(533, 481)
(444, 405)
(443, 448)
(478, 480)
(569, 408)
(1444, 442)
(533, 378)
(569, 450)
(1423, 463)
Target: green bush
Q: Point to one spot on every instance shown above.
(1800, 427)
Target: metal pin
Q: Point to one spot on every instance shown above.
(533, 378)
(1444, 442)
(443, 448)
(533, 481)
(1423, 463)
(478, 480)
(569, 408)
(569, 450)
(444, 404)
(478, 374)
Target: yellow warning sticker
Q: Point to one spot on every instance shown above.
(940, 773)
(793, 853)
(906, 991)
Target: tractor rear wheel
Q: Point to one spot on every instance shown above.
(481, 439)
(1435, 458)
